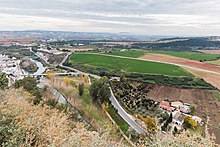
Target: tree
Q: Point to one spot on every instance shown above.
(170, 119)
(150, 123)
(175, 130)
(85, 78)
(81, 89)
(104, 93)
(192, 109)
(3, 81)
(189, 122)
(66, 81)
(99, 90)
(50, 75)
(30, 84)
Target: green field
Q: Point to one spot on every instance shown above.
(189, 55)
(128, 65)
(183, 54)
(130, 53)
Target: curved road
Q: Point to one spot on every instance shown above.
(127, 117)
(76, 70)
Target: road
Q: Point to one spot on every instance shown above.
(76, 70)
(127, 117)
(180, 65)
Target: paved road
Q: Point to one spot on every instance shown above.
(76, 70)
(127, 117)
(180, 65)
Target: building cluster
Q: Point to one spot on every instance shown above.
(11, 67)
(179, 111)
(45, 53)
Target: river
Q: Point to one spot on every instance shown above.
(41, 69)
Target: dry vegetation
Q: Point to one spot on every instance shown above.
(92, 112)
(43, 126)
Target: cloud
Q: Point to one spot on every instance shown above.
(164, 17)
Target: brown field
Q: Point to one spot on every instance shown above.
(8, 41)
(114, 43)
(205, 102)
(211, 78)
(210, 51)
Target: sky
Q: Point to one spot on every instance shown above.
(147, 17)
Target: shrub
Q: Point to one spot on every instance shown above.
(3, 81)
(81, 89)
(24, 124)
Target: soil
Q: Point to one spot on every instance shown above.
(211, 78)
(210, 51)
(205, 102)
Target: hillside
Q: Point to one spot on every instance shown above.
(188, 44)
(24, 124)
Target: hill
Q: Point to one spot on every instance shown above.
(25, 124)
(188, 44)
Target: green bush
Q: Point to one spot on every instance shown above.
(3, 81)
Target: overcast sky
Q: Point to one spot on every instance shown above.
(149, 17)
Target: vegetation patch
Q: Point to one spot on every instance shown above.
(216, 95)
(117, 118)
(215, 62)
(128, 53)
(192, 55)
(133, 96)
(182, 82)
(128, 65)
(3, 81)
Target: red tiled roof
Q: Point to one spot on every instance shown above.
(183, 110)
(163, 103)
(170, 109)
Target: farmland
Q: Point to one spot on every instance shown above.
(189, 55)
(216, 62)
(128, 65)
(130, 53)
(192, 55)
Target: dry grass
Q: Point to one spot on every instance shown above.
(43, 126)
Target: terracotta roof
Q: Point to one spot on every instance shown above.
(183, 110)
(170, 109)
(164, 103)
